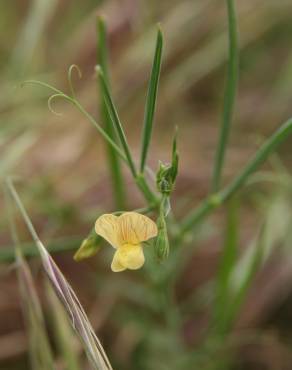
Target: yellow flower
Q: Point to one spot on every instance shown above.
(126, 233)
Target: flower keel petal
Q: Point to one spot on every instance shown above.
(116, 266)
(131, 256)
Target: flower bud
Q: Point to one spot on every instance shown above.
(161, 244)
(166, 174)
(89, 247)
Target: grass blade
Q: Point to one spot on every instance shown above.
(151, 100)
(40, 350)
(229, 97)
(113, 160)
(78, 318)
(39, 14)
(63, 332)
(41, 356)
(251, 267)
(20, 145)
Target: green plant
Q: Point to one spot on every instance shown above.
(172, 244)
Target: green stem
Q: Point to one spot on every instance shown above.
(143, 210)
(145, 189)
(7, 254)
(229, 97)
(214, 201)
(113, 160)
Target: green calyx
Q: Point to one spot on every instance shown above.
(166, 174)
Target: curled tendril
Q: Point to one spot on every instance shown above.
(58, 93)
(55, 96)
(70, 74)
(36, 82)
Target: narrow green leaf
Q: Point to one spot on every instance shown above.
(102, 48)
(174, 158)
(113, 160)
(113, 114)
(151, 100)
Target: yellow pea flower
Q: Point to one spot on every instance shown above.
(126, 233)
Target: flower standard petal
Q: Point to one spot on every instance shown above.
(107, 227)
(135, 228)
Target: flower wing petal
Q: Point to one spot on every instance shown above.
(135, 228)
(107, 227)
